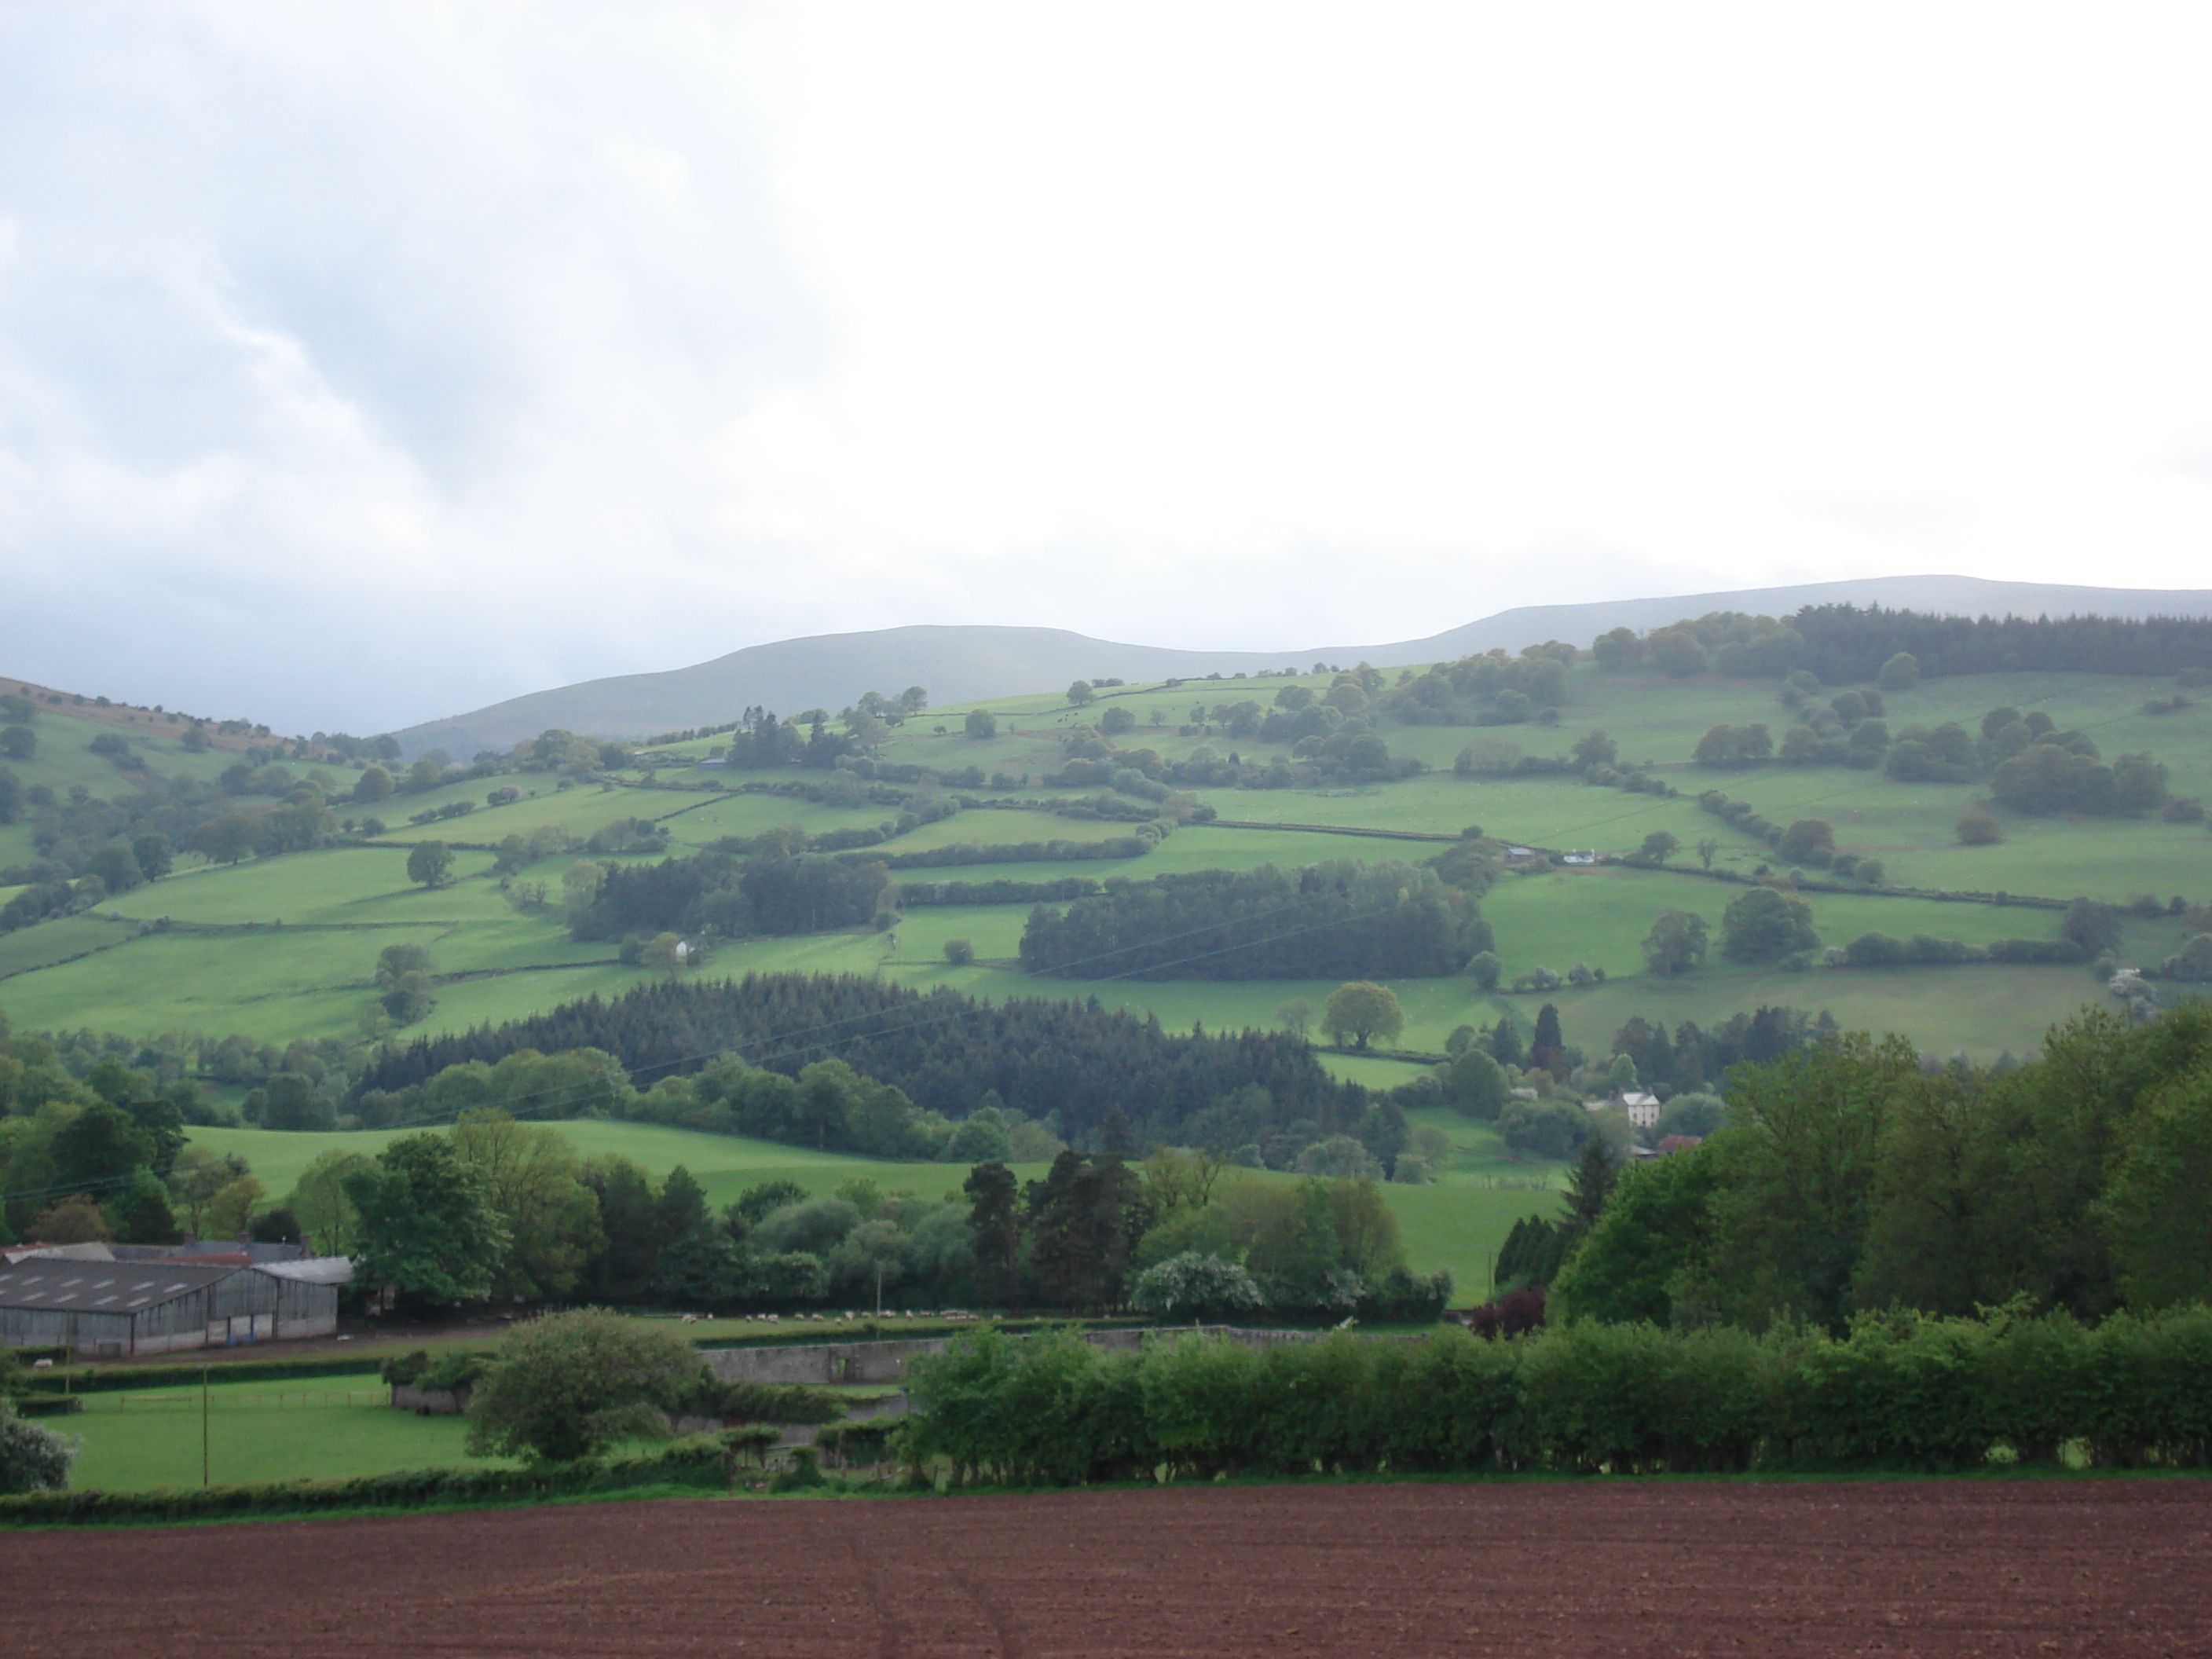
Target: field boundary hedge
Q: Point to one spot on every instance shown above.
(702, 1464)
(93, 1379)
(1334, 830)
(1897, 1391)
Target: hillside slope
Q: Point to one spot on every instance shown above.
(959, 664)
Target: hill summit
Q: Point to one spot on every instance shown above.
(959, 663)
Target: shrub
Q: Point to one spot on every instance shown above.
(1980, 829)
(565, 1386)
(693, 1463)
(32, 1459)
(1197, 1284)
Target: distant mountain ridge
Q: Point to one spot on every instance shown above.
(959, 663)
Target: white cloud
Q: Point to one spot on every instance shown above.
(362, 363)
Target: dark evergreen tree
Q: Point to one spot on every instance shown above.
(996, 1218)
(944, 1051)
(1548, 1050)
(622, 1273)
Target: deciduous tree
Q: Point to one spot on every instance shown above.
(430, 863)
(1765, 925)
(1362, 1010)
(1676, 942)
(568, 1386)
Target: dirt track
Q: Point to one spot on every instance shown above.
(2109, 1568)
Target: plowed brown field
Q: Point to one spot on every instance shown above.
(2109, 1568)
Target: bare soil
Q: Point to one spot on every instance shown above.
(2104, 1567)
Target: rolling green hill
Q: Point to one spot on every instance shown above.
(960, 662)
(285, 947)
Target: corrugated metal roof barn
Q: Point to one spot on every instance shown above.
(114, 1309)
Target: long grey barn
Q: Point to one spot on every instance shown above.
(109, 1310)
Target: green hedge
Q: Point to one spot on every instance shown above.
(47, 1402)
(695, 1462)
(1898, 1392)
(108, 1379)
(838, 1333)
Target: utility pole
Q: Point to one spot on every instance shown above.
(204, 1425)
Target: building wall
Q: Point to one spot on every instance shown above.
(244, 1307)
(44, 1328)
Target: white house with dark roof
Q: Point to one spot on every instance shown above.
(111, 1309)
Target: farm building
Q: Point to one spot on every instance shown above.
(114, 1309)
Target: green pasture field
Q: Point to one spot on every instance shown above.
(999, 828)
(333, 1428)
(707, 820)
(1980, 1010)
(1600, 914)
(580, 811)
(65, 756)
(1454, 1225)
(1912, 829)
(331, 885)
(62, 761)
(273, 985)
(30, 949)
(1481, 1158)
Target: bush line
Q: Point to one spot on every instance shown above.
(1903, 1392)
(694, 1463)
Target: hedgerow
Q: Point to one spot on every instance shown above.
(109, 1379)
(1896, 1392)
(700, 1463)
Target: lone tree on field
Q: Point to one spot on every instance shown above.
(959, 952)
(1675, 943)
(1807, 838)
(1658, 847)
(1080, 693)
(1362, 1009)
(568, 1386)
(430, 863)
(981, 725)
(1764, 925)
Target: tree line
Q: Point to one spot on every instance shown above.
(1850, 645)
(1850, 1180)
(946, 1052)
(1907, 1394)
(1185, 1234)
(773, 892)
(1343, 920)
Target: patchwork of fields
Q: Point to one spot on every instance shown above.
(282, 948)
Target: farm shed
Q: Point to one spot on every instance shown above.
(113, 1309)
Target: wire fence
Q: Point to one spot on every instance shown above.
(190, 1400)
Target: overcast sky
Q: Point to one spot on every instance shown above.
(361, 363)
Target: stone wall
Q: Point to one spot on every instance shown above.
(886, 1360)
